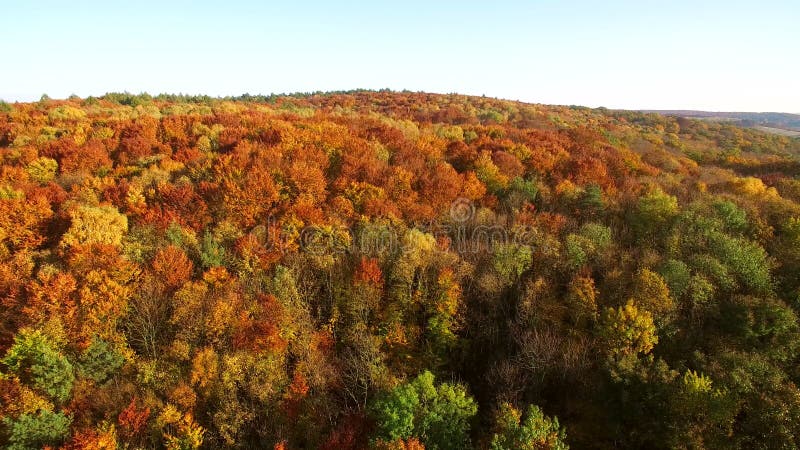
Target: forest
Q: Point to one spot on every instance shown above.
(393, 270)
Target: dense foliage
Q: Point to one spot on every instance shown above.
(393, 270)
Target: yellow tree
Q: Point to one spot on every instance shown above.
(628, 330)
(95, 225)
(650, 292)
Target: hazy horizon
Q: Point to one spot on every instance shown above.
(290, 94)
(719, 56)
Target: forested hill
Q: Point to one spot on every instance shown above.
(782, 121)
(395, 271)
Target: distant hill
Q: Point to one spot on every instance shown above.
(766, 121)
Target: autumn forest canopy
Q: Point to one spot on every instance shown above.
(388, 270)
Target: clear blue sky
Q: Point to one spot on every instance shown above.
(715, 55)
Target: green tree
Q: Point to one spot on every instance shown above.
(34, 431)
(597, 235)
(714, 271)
(212, 252)
(520, 191)
(768, 326)
(733, 218)
(510, 261)
(575, 253)
(587, 245)
(700, 295)
(702, 413)
(37, 360)
(535, 432)
(745, 259)
(677, 276)
(654, 214)
(100, 360)
(767, 402)
(438, 415)
(591, 202)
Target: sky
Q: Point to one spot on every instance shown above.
(708, 55)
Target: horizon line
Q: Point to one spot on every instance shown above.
(238, 97)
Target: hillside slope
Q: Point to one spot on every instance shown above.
(393, 270)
